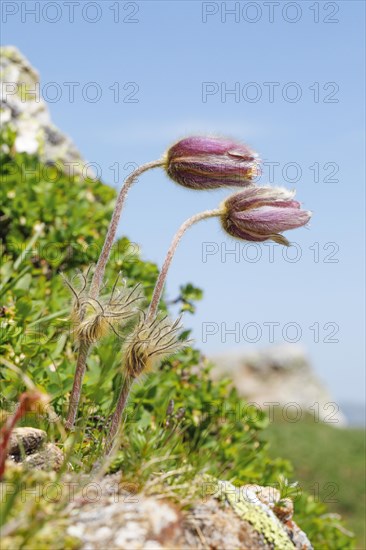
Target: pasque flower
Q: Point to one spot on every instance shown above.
(262, 213)
(253, 214)
(151, 342)
(196, 162)
(211, 162)
(92, 318)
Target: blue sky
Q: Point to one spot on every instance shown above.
(178, 61)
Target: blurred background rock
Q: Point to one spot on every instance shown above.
(280, 375)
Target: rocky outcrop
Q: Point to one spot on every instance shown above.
(101, 511)
(23, 111)
(131, 522)
(227, 517)
(280, 376)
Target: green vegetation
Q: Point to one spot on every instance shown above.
(329, 464)
(178, 419)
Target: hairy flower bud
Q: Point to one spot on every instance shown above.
(150, 342)
(92, 319)
(210, 163)
(262, 213)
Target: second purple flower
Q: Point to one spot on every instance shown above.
(262, 213)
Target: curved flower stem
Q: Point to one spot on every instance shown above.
(96, 284)
(112, 229)
(117, 415)
(123, 396)
(163, 273)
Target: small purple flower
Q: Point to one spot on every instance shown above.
(262, 213)
(211, 162)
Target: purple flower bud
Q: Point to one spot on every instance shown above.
(211, 162)
(262, 213)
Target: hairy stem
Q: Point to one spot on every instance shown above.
(78, 381)
(96, 284)
(112, 229)
(170, 254)
(117, 415)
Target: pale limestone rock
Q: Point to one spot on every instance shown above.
(24, 111)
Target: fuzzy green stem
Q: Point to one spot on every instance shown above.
(169, 257)
(97, 281)
(117, 415)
